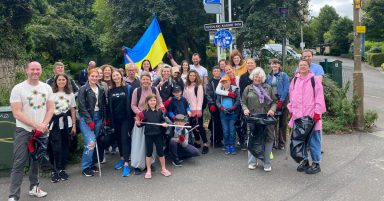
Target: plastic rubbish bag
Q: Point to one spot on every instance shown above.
(301, 133)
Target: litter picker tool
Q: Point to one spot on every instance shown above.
(98, 159)
(171, 125)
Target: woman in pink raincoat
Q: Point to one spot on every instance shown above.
(306, 96)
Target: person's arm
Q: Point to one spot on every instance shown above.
(320, 107)
(83, 112)
(209, 94)
(200, 97)
(220, 91)
(18, 114)
(289, 105)
(73, 117)
(243, 101)
(274, 101)
(285, 87)
(218, 101)
(50, 107)
(159, 98)
(135, 102)
(237, 101)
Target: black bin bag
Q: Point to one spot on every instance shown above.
(301, 133)
(257, 128)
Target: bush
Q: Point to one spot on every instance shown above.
(4, 96)
(335, 51)
(340, 113)
(370, 117)
(382, 66)
(376, 49)
(375, 59)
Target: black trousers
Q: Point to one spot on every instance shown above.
(159, 143)
(59, 148)
(122, 136)
(241, 129)
(199, 132)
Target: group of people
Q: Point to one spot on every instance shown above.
(163, 109)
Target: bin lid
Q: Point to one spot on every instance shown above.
(334, 61)
(5, 109)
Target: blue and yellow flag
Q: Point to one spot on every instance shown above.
(151, 46)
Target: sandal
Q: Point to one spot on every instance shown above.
(148, 175)
(166, 173)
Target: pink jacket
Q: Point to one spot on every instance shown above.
(195, 103)
(302, 101)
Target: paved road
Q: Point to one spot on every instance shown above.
(373, 86)
(352, 169)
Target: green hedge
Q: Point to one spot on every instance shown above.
(375, 59)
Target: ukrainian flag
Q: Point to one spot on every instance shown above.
(151, 46)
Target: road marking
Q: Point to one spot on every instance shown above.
(372, 96)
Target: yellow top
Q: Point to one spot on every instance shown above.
(241, 70)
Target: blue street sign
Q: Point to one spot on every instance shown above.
(223, 38)
(212, 1)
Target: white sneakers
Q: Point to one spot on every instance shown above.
(267, 168)
(37, 192)
(251, 167)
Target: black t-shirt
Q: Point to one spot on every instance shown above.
(118, 98)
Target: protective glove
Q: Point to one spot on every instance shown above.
(141, 116)
(212, 108)
(232, 95)
(199, 113)
(166, 103)
(181, 138)
(279, 105)
(91, 125)
(316, 117)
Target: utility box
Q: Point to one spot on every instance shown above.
(334, 69)
(7, 130)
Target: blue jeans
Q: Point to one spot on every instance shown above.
(228, 124)
(89, 139)
(314, 147)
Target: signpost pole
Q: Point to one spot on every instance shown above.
(218, 48)
(230, 20)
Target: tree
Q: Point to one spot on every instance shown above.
(263, 22)
(63, 32)
(14, 16)
(373, 19)
(340, 34)
(323, 22)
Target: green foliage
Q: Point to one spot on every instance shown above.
(4, 96)
(382, 66)
(263, 21)
(373, 19)
(340, 34)
(340, 113)
(323, 22)
(335, 51)
(375, 59)
(370, 117)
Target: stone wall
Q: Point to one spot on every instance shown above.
(8, 68)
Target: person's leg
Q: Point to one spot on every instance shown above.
(202, 132)
(283, 128)
(20, 157)
(218, 128)
(173, 150)
(232, 131)
(125, 142)
(65, 148)
(89, 144)
(159, 143)
(194, 122)
(149, 149)
(117, 135)
(224, 123)
(98, 123)
(315, 147)
(187, 152)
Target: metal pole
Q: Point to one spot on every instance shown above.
(358, 80)
(283, 46)
(230, 20)
(302, 38)
(218, 48)
(222, 20)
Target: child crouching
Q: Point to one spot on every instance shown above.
(179, 148)
(153, 134)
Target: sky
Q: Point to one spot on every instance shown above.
(343, 7)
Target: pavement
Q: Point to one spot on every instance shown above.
(352, 170)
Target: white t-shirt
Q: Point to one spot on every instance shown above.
(63, 103)
(96, 91)
(201, 70)
(34, 101)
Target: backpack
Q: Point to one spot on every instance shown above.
(139, 92)
(312, 83)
